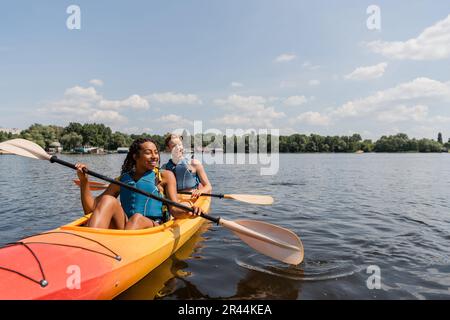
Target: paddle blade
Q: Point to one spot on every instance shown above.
(25, 148)
(93, 185)
(273, 241)
(249, 198)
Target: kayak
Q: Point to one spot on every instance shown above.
(77, 262)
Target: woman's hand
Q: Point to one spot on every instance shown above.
(195, 194)
(197, 210)
(80, 172)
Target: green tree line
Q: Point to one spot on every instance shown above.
(99, 135)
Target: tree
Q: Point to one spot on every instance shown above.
(71, 140)
(439, 138)
(117, 140)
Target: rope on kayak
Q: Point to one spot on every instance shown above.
(114, 256)
(44, 282)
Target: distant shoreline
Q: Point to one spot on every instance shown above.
(98, 136)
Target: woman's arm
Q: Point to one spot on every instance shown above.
(169, 183)
(87, 199)
(206, 185)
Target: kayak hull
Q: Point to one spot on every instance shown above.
(76, 262)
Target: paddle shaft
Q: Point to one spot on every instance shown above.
(205, 194)
(102, 177)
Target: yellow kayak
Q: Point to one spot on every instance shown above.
(76, 262)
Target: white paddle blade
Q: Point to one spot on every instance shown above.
(250, 198)
(25, 148)
(273, 241)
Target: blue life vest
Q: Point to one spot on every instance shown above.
(133, 202)
(185, 178)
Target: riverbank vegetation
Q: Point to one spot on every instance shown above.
(99, 135)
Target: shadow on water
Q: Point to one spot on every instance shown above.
(253, 286)
(154, 284)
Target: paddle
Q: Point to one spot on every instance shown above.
(271, 240)
(248, 198)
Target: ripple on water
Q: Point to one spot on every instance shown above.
(308, 270)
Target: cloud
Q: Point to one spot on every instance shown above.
(403, 113)
(285, 57)
(107, 116)
(312, 118)
(173, 122)
(247, 111)
(369, 72)
(295, 100)
(96, 82)
(314, 82)
(133, 102)
(432, 44)
(308, 65)
(80, 93)
(175, 98)
(415, 90)
(86, 104)
(236, 85)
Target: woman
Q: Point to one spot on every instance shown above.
(189, 173)
(134, 211)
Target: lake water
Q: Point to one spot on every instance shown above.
(353, 213)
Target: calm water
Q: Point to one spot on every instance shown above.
(351, 211)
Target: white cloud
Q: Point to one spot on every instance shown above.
(245, 103)
(308, 65)
(80, 93)
(175, 98)
(369, 72)
(236, 84)
(403, 113)
(134, 102)
(86, 104)
(96, 82)
(432, 44)
(247, 111)
(107, 116)
(314, 82)
(272, 99)
(285, 57)
(295, 100)
(312, 118)
(173, 121)
(416, 90)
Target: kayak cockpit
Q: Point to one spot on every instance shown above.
(79, 225)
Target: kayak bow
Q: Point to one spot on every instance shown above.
(77, 262)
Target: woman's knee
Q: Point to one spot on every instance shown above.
(107, 199)
(107, 202)
(138, 221)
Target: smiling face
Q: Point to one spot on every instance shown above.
(173, 142)
(147, 157)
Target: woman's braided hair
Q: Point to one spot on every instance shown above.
(129, 163)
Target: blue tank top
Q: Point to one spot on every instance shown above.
(185, 178)
(133, 202)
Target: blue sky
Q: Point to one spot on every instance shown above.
(297, 66)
